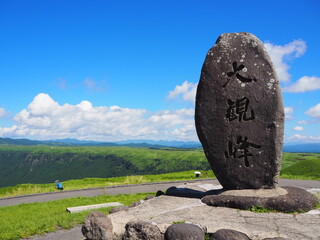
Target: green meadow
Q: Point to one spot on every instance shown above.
(22, 189)
(25, 220)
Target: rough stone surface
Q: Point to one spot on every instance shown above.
(97, 226)
(118, 209)
(239, 113)
(228, 234)
(276, 238)
(148, 197)
(142, 230)
(296, 199)
(184, 231)
(164, 210)
(136, 203)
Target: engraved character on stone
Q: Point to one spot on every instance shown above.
(238, 110)
(236, 73)
(242, 146)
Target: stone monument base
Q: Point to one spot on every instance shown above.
(171, 216)
(286, 199)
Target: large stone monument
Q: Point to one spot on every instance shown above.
(239, 120)
(239, 113)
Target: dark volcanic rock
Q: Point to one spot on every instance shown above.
(159, 193)
(97, 226)
(142, 230)
(228, 234)
(239, 113)
(295, 200)
(184, 192)
(184, 231)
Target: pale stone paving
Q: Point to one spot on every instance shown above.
(165, 210)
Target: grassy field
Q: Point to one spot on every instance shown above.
(307, 169)
(25, 220)
(23, 189)
(301, 166)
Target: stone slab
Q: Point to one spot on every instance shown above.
(94, 206)
(283, 199)
(165, 210)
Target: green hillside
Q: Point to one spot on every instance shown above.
(307, 169)
(44, 164)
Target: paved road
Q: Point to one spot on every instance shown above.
(90, 192)
(128, 189)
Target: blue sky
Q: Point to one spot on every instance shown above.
(116, 70)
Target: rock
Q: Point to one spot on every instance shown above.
(142, 230)
(296, 199)
(97, 226)
(184, 231)
(159, 193)
(227, 234)
(232, 201)
(184, 192)
(276, 238)
(137, 203)
(148, 197)
(239, 113)
(118, 209)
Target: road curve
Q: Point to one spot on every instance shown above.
(132, 188)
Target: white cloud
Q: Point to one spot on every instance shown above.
(314, 111)
(304, 84)
(298, 128)
(303, 122)
(97, 86)
(280, 54)
(44, 118)
(61, 83)
(187, 91)
(89, 83)
(288, 111)
(2, 112)
(302, 138)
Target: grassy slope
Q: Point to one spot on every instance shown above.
(301, 166)
(43, 164)
(308, 169)
(25, 220)
(22, 189)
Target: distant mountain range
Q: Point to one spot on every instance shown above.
(288, 147)
(302, 147)
(127, 143)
